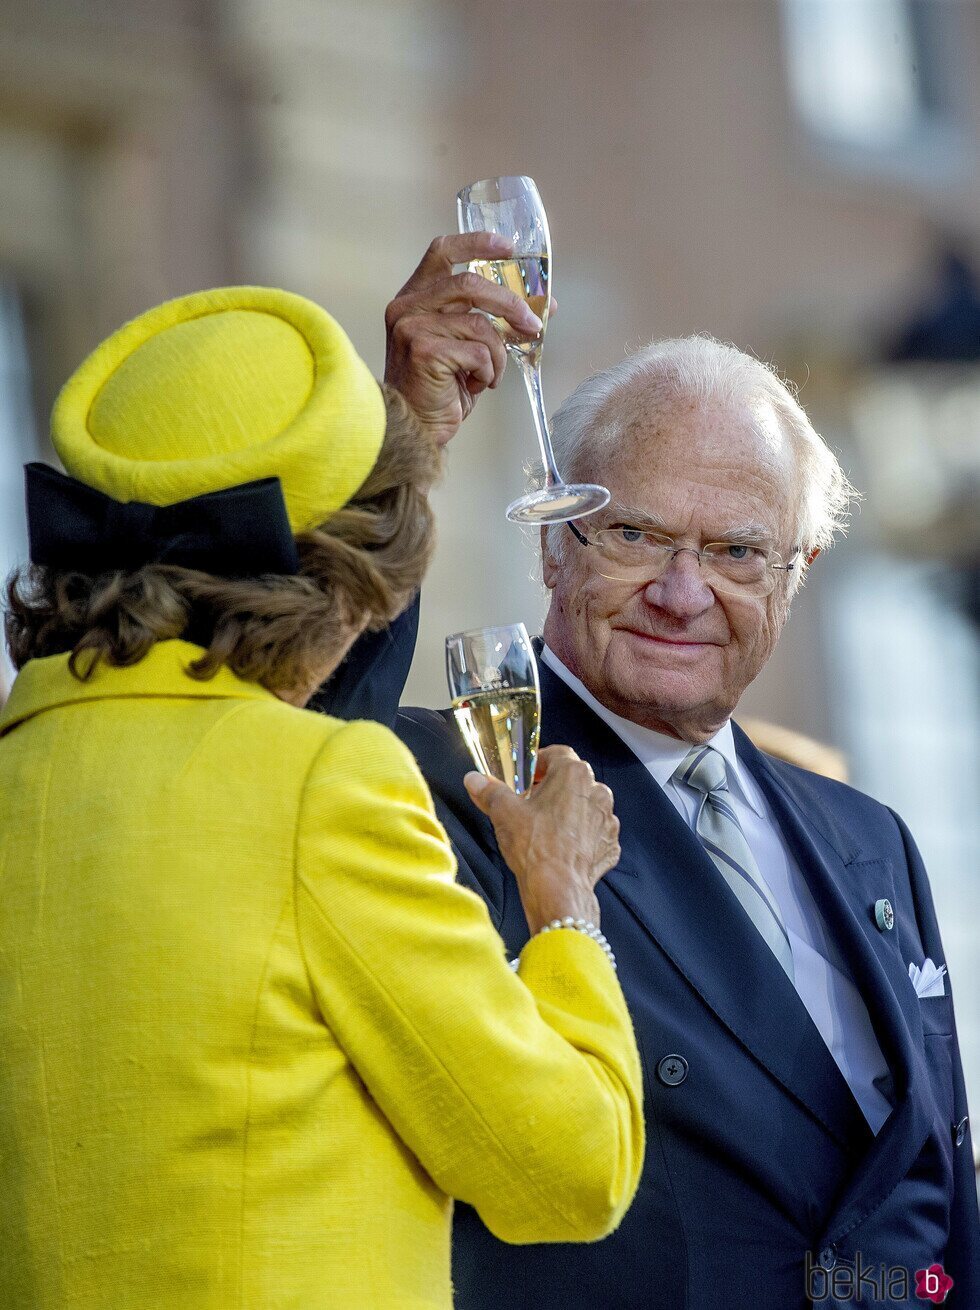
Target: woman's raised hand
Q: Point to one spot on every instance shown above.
(440, 355)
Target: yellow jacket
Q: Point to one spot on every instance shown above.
(253, 1035)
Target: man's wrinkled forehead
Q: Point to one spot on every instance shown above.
(642, 439)
(643, 414)
(640, 433)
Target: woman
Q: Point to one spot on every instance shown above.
(255, 1037)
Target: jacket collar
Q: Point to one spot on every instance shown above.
(45, 684)
(696, 922)
(670, 885)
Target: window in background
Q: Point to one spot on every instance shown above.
(877, 84)
(18, 442)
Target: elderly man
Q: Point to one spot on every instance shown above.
(807, 1120)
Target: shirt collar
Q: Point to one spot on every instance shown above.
(657, 752)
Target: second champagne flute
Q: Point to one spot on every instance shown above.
(493, 682)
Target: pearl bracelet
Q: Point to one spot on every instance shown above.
(579, 925)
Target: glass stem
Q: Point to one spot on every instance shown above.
(532, 380)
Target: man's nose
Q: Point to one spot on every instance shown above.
(681, 589)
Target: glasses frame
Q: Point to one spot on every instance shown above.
(736, 589)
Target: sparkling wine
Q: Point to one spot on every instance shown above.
(501, 729)
(527, 277)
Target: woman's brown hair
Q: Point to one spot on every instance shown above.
(358, 570)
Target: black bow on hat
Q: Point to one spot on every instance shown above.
(240, 532)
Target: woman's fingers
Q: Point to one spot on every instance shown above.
(463, 292)
(489, 795)
(445, 251)
(441, 363)
(417, 334)
(557, 759)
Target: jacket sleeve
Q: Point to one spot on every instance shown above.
(520, 1095)
(962, 1258)
(369, 682)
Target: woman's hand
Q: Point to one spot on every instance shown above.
(558, 840)
(440, 355)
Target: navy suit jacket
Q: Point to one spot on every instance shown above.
(762, 1178)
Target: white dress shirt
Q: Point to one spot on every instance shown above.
(821, 976)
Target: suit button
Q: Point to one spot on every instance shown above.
(828, 1256)
(959, 1131)
(672, 1070)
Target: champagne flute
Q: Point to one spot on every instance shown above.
(511, 207)
(493, 682)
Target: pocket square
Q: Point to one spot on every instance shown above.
(928, 981)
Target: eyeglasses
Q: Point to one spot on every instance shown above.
(628, 554)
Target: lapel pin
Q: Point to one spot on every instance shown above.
(884, 915)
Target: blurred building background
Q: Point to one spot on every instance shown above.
(801, 177)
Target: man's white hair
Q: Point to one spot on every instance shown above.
(699, 369)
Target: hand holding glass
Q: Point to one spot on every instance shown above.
(511, 207)
(493, 682)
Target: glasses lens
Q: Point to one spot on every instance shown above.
(628, 555)
(738, 568)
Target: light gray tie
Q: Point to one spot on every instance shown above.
(703, 768)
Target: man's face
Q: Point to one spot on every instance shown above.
(672, 654)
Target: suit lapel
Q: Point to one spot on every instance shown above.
(672, 888)
(845, 887)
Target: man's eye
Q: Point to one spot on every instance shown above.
(631, 535)
(736, 551)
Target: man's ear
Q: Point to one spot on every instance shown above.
(549, 565)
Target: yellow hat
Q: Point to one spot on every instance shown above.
(220, 388)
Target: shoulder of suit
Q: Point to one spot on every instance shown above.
(416, 720)
(429, 734)
(436, 743)
(858, 827)
(838, 798)
(796, 775)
